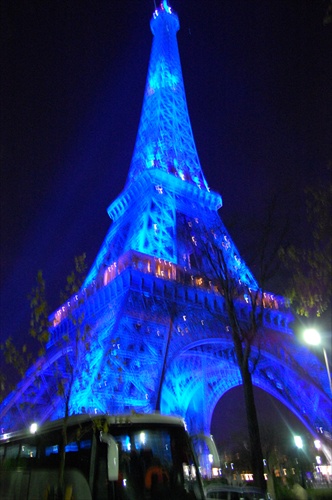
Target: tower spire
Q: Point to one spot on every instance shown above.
(165, 139)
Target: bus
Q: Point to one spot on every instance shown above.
(119, 457)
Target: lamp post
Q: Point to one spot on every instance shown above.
(299, 445)
(312, 337)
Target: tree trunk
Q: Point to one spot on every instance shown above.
(164, 361)
(253, 429)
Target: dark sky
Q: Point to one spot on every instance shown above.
(258, 82)
(278, 425)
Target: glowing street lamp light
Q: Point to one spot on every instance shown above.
(33, 428)
(312, 337)
(298, 442)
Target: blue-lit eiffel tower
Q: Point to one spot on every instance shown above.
(159, 337)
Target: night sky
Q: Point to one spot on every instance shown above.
(258, 83)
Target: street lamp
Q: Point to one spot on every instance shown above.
(299, 445)
(312, 337)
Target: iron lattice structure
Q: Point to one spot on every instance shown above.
(159, 334)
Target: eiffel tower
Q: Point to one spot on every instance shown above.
(159, 334)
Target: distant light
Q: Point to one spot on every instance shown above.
(311, 336)
(298, 441)
(142, 437)
(33, 428)
(185, 471)
(215, 471)
(319, 460)
(317, 444)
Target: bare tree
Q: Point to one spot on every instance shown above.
(74, 342)
(244, 302)
(244, 334)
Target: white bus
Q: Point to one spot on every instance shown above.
(128, 457)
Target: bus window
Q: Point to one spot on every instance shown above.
(28, 451)
(154, 463)
(12, 451)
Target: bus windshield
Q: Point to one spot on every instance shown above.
(155, 461)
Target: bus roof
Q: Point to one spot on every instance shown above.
(117, 419)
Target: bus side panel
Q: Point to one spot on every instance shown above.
(41, 484)
(14, 485)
